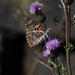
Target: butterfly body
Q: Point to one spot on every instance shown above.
(35, 32)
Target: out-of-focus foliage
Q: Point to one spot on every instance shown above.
(20, 7)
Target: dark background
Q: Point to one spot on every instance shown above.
(15, 54)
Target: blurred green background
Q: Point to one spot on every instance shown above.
(16, 57)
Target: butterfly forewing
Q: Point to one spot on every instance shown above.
(31, 25)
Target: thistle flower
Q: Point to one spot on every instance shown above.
(51, 45)
(46, 53)
(34, 6)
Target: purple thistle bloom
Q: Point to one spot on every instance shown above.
(51, 45)
(46, 53)
(35, 6)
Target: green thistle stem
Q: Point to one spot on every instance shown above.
(67, 18)
(68, 32)
(54, 73)
(57, 66)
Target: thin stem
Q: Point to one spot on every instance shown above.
(45, 65)
(62, 65)
(42, 63)
(68, 62)
(57, 66)
(33, 67)
(68, 33)
(62, 3)
(67, 18)
(54, 73)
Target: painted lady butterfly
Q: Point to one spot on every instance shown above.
(35, 32)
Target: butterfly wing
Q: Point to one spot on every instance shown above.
(35, 32)
(43, 37)
(32, 36)
(36, 37)
(31, 25)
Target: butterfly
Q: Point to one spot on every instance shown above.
(35, 32)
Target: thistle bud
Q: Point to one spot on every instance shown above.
(68, 2)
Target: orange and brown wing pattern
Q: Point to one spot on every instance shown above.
(31, 25)
(32, 36)
(35, 32)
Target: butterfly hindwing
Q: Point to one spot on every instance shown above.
(32, 36)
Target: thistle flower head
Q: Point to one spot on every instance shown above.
(34, 6)
(51, 45)
(46, 53)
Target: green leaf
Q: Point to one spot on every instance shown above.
(72, 23)
(63, 69)
(54, 64)
(70, 47)
(59, 67)
(66, 48)
(61, 6)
